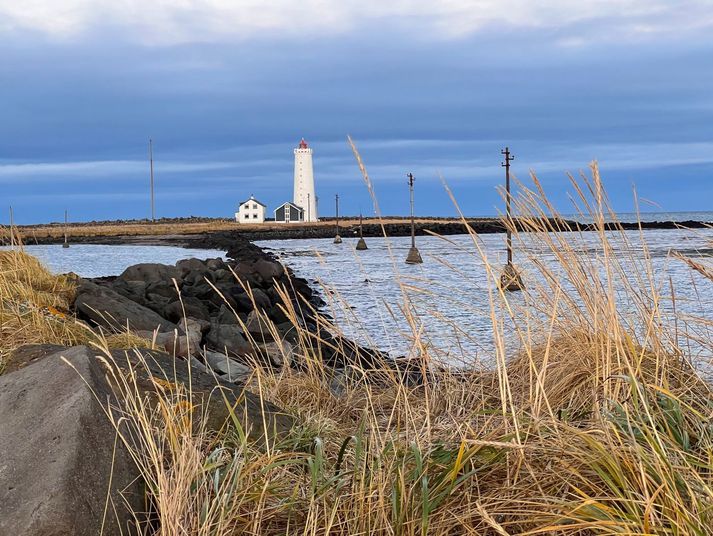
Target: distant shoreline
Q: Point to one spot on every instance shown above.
(219, 234)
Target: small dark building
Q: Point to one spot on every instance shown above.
(289, 213)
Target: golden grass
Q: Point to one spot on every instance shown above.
(35, 309)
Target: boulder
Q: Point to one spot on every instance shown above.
(187, 266)
(215, 264)
(223, 276)
(227, 338)
(134, 290)
(191, 306)
(226, 316)
(164, 288)
(60, 453)
(268, 269)
(110, 310)
(262, 301)
(277, 354)
(26, 355)
(219, 399)
(259, 328)
(233, 370)
(193, 330)
(150, 273)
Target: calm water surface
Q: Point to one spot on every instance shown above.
(89, 260)
(371, 292)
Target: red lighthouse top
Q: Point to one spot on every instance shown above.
(303, 144)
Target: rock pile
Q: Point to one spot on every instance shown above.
(224, 316)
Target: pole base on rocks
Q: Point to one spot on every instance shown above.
(361, 245)
(510, 279)
(337, 239)
(413, 257)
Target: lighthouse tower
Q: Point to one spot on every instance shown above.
(304, 196)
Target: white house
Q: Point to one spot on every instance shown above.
(251, 211)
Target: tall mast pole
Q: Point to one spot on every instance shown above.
(508, 158)
(66, 219)
(337, 238)
(153, 210)
(510, 278)
(12, 225)
(413, 257)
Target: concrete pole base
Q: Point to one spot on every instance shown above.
(510, 279)
(413, 257)
(337, 239)
(361, 245)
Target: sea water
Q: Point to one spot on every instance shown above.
(90, 260)
(445, 303)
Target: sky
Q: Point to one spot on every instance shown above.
(226, 89)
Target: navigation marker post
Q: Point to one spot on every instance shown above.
(337, 238)
(510, 279)
(361, 245)
(66, 244)
(413, 257)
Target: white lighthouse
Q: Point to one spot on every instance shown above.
(304, 195)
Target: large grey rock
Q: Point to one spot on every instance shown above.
(112, 311)
(56, 450)
(188, 306)
(187, 266)
(234, 371)
(150, 273)
(227, 338)
(262, 300)
(276, 353)
(220, 400)
(260, 328)
(268, 270)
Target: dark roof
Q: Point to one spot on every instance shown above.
(252, 199)
(289, 203)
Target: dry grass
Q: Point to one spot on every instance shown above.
(596, 425)
(34, 309)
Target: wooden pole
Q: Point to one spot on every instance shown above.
(153, 207)
(12, 225)
(337, 238)
(506, 164)
(66, 219)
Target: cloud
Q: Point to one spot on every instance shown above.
(187, 21)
